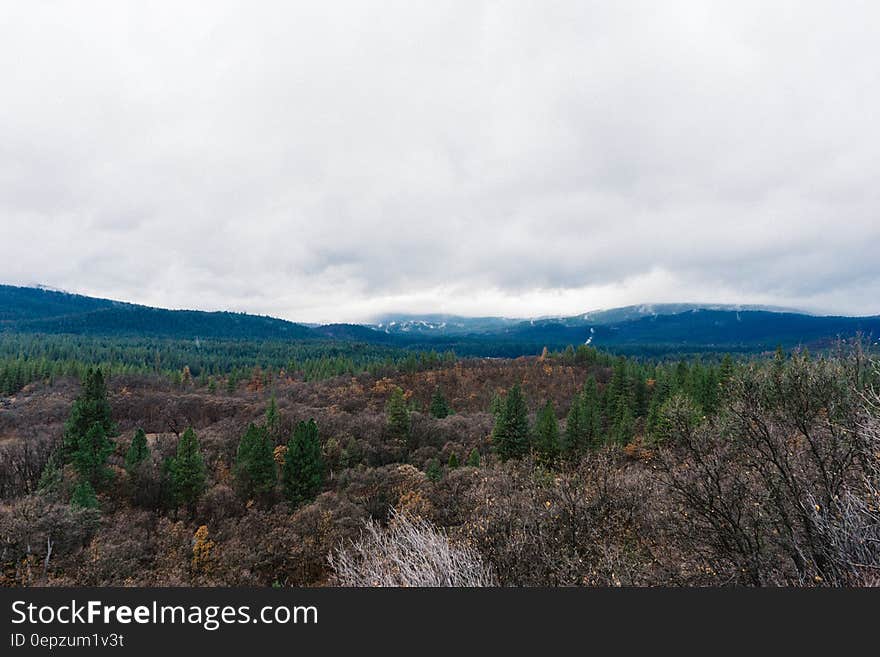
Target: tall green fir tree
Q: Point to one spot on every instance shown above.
(496, 406)
(90, 456)
(83, 496)
(397, 415)
(51, 478)
(547, 435)
(473, 459)
(90, 408)
(273, 420)
(619, 389)
(623, 424)
(138, 451)
(511, 436)
(710, 398)
(682, 376)
(640, 396)
(573, 438)
(591, 413)
(255, 463)
(188, 472)
(662, 390)
(303, 472)
(725, 372)
(434, 472)
(439, 405)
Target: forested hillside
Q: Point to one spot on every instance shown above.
(34, 310)
(658, 330)
(573, 468)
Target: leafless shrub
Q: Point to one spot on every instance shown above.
(408, 552)
(578, 526)
(765, 492)
(22, 461)
(35, 532)
(850, 524)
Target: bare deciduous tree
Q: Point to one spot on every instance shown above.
(408, 552)
(778, 491)
(850, 524)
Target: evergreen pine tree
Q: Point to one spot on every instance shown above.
(496, 407)
(83, 496)
(397, 415)
(662, 392)
(573, 438)
(547, 434)
(654, 419)
(726, 371)
(51, 478)
(255, 463)
(439, 405)
(90, 456)
(303, 470)
(624, 423)
(273, 420)
(697, 383)
(473, 459)
(188, 474)
(618, 387)
(434, 472)
(90, 408)
(167, 496)
(711, 391)
(682, 374)
(137, 452)
(591, 413)
(511, 434)
(453, 461)
(640, 396)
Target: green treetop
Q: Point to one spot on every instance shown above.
(511, 434)
(547, 434)
(397, 415)
(434, 472)
(255, 463)
(90, 456)
(83, 496)
(439, 405)
(90, 408)
(591, 414)
(273, 420)
(188, 472)
(303, 472)
(137, 452)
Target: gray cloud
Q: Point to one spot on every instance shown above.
(518, 158)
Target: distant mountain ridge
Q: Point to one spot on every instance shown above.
(444, 324)
(441, 324)
(38, 310)
(649, 329)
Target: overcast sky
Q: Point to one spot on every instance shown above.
(326, 161)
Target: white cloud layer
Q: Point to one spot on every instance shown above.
(333, 161)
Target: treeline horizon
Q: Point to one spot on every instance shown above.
(28, 358)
